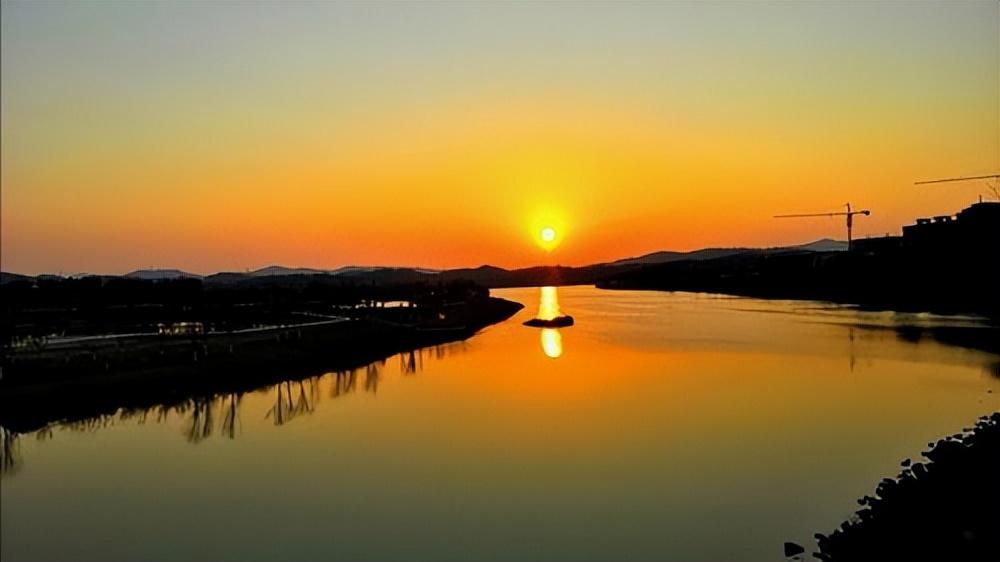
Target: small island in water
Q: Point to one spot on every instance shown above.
(557, 322)
(549, 314)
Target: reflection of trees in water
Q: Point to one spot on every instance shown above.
(372, 372)
(993, 369)
(205, 416)
(411, 363)
(343, 382)
(10, 451)
(864, 335)
(296, 398)
(95, 423)
(230, 409)
(293, 399)
(198, 415)
(198, 418)
(850, 347)
(448, 349)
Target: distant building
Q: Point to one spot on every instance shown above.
(973, 228)
(181, 329)
(880, 245)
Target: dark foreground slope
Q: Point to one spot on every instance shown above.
(947, 508)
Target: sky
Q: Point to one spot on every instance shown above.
(213, 136)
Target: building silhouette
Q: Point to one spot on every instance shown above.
(974, 230)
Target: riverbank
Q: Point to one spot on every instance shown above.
(86, 379)
(945, 508)
(947, 284)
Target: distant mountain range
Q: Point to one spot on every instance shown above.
(823, 245)
(487, 275)
(158, 274)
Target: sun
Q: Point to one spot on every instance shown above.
(547, 230)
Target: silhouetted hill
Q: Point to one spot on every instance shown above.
(668, 256)
(12, 277)
(273, 270)
(289, 277)
(386, 275)
(823, 245)
(225, 277)
(354, 270)
(377, 273)
(485, 275)
(158, 274)
(496, 277)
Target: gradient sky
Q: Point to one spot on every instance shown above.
(228, 135)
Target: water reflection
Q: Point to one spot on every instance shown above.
(409, 364)
(231, 415)
(200, 418)
(548, 303)
(372, 376)
(548, 308)
(10, 452)
(678, 411)
(294, 399)
(993, 369)
(199, 423)
(552, 342)
(852, 356)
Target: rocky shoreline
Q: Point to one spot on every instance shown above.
(944, 507)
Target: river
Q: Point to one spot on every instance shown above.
(662, 426)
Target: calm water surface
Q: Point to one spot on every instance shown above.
(663, 426)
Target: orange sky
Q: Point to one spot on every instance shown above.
(225, 136)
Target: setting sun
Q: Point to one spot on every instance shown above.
(548, 238)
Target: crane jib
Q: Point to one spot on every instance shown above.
(849, 215)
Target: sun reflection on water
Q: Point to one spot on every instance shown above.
(548, 303)
(552, 342)
(548, 308)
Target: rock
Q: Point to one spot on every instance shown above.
(793, 549)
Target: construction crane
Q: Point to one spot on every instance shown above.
(993, 187)
(965, 178)
(849, 214)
